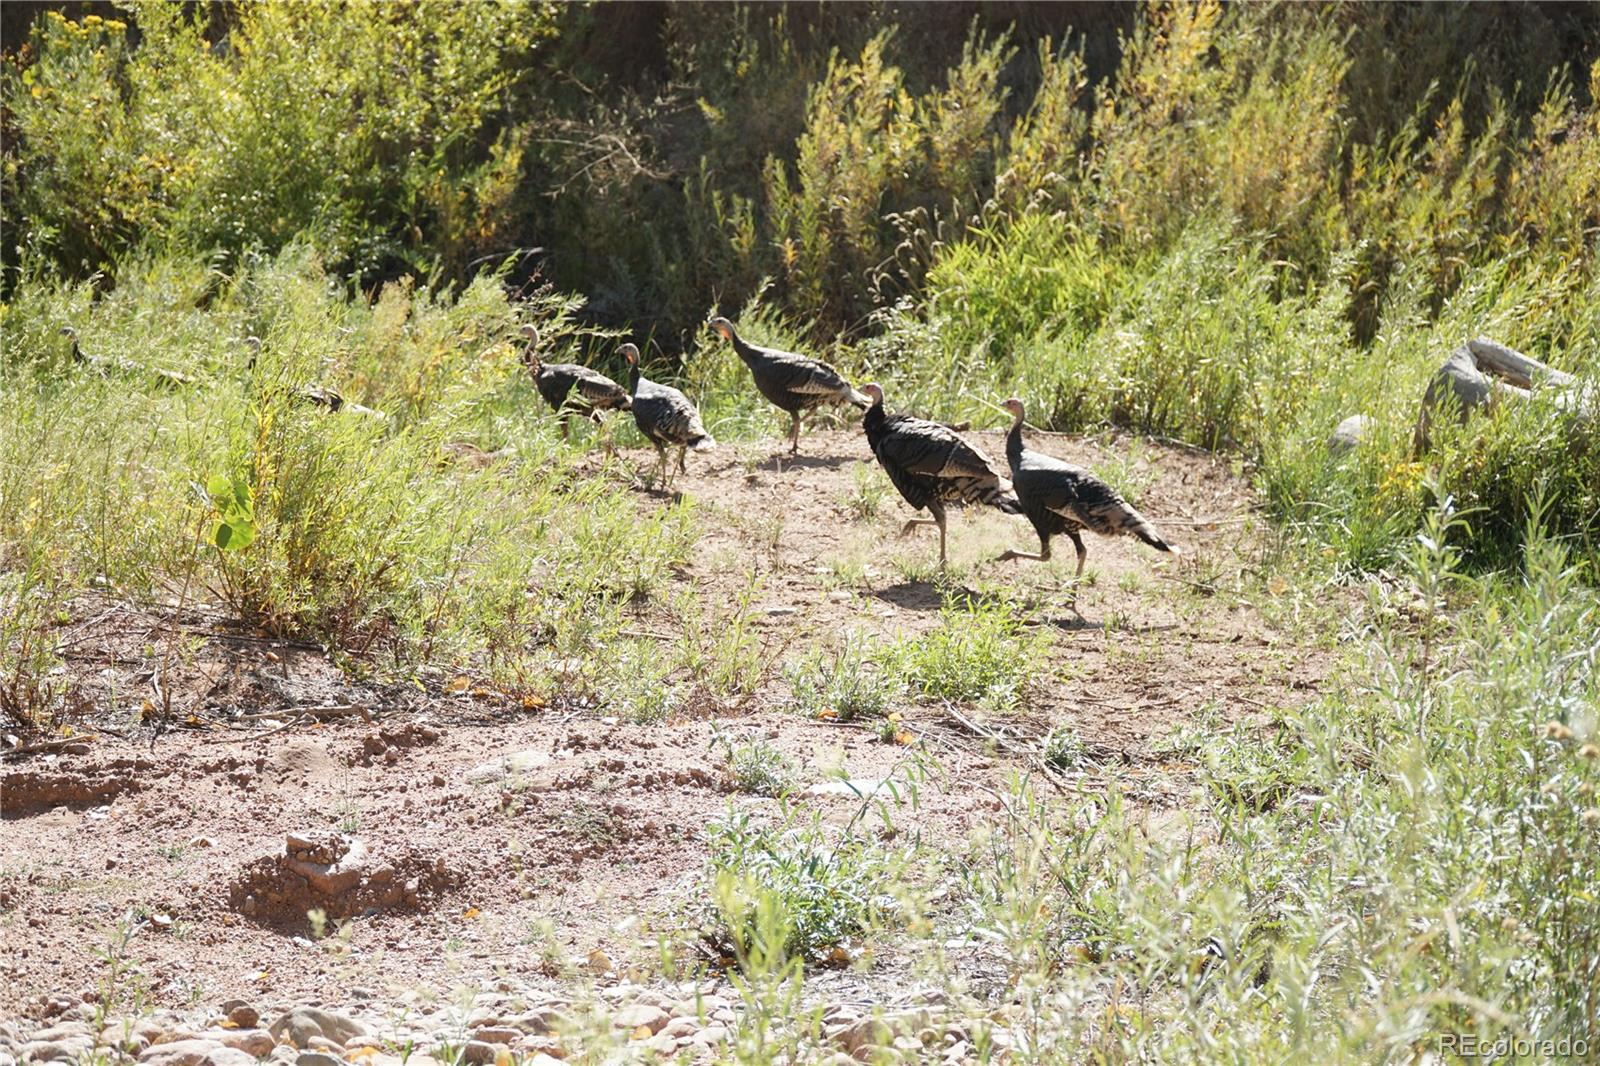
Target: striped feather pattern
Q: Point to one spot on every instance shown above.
(666, 416)
(1060, 498)
(930, 463)
(791, 382)
(595, 392)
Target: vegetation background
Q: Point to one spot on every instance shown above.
(1231, 227)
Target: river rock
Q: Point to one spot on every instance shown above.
(300, 1024)
(480, 1053)
(257, 1043)
(64, 1049)
(195, 1052)
(496, 1034)
(640, 1016)
(241, 1013)
(518, 762)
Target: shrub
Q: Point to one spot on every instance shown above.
(781, 893)
(756, 766)
(299, 123)
(847, 682)
(978, 653)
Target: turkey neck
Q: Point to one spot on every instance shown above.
(746, 352)
(1014, 444)
(873, 422)
(633, 378)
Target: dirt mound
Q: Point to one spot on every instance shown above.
(28, 791)
(387, 744)
(338, 875)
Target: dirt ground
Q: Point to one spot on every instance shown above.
(509, 833)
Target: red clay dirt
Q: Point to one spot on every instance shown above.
(498, 835)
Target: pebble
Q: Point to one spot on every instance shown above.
(496, 1034)
(479, 1053)
(673, 1022)
(681, 1026)
(62, 1031)
(538, 1045)
(241, 1014)
(66, 1049)
(257, 1043)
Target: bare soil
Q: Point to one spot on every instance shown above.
(499, 832)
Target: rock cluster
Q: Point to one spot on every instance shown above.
(623, 1023)
(336, 874)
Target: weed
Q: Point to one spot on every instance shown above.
(593, 824)
(845, 682)
(789, 892)
(1064, 749)
(980, 653)
(868, 490)
(755, 766)
(638, 685)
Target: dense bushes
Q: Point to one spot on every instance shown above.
(1248, 224)
(355, 126)
(672, 158)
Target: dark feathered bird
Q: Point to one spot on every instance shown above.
(571, 389)
(932, 466)
(664, 415)
(313, 393)
(166, 378)
(1060, 498)
(794, 383)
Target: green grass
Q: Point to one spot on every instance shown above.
(1266, 219)
(755, 766)
(791, 892)
(848, 681)
(370, 535)
(978, 654)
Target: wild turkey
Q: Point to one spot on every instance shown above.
(932, 466)
(665, 416)
(794, 383)
(571, 389)
(313, 393)
(1058, 497)
(167, 378)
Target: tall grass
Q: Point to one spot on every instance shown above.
(1259, 220)
(1399, 866)
(453, 527)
